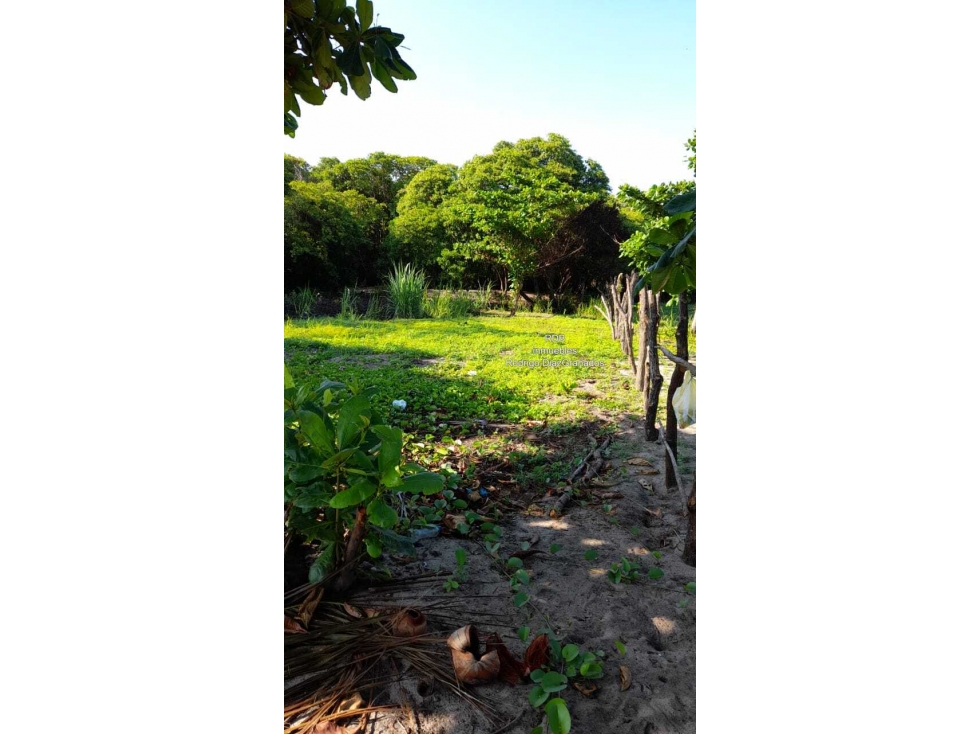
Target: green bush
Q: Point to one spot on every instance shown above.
(341, 464)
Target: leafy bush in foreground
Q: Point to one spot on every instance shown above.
(341, 463)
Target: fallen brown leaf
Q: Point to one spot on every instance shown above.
(536, 655)
(639, 461)
(352, 611)
(645, 483)
(584, 688)
(292, 625)
(511, 669)
(625, 678)
(452, 522)
(649, 471)
(308, 608)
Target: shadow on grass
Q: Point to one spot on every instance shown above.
(488, 417)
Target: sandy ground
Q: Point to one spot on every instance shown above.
(573, 596)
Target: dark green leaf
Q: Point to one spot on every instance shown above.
(302, 473)
(302, 8)
(591, 554)
(424, 482)
(686, 202)
(351, 420)
(359, 492)
(365, 11)
(380, 514)
(537, 696)
(520, 599)
(313, 496)
(362, 84)
(316, 431)
(553, 682)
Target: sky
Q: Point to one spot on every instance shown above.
(617, 78)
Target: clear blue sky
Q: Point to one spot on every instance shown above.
(617, 78)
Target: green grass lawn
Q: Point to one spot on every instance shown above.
(428, 364)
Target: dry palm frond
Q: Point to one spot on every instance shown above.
(341, 657)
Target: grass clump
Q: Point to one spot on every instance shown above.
(302, 300)
(406, 292)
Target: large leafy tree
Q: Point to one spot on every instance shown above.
(517, 197)
(324, 242)
(663, 243)
(327, 43)
(381, 176)
(423, 227)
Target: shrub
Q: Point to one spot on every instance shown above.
(342, 463)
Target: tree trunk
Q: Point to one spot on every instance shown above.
(355, 539)
(642, 374)
(627, 313)
(675, 381)
(690, 546)
(655, 375)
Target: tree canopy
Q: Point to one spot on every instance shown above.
(380, 176)
(328, 43)
(516, 198)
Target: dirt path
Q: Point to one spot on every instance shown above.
(655, 620)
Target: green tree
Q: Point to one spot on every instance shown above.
(324, 243)
(517, 198)
(423, 227)
(381, 176)
(296, 169)
(655, 229)
(328, 43)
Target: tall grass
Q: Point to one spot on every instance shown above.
(302, 301)
(481, 301)
(348, 304)
(373, 308)
(450, 305)
(406, 292)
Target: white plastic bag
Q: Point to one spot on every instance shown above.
(685, 401)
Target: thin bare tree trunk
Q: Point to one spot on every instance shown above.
(655, 375)
(675, 381)
(627, 313)
(642, 374)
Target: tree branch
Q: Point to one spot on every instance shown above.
(692, 369)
